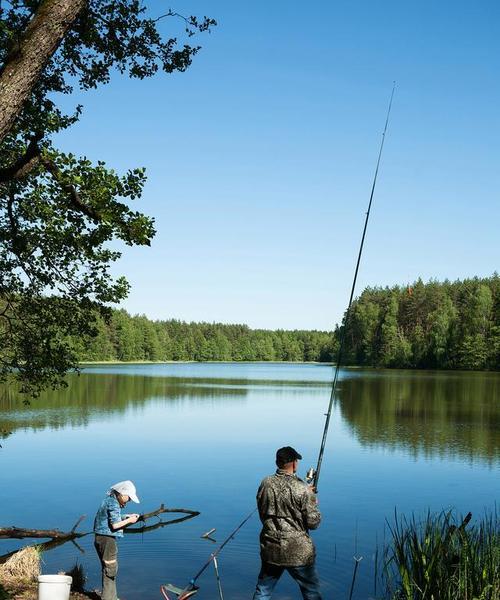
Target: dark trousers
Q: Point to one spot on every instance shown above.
(306, 577)
(107, 550)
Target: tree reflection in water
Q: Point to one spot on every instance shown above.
(429, 413)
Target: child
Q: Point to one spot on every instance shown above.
(109, 525)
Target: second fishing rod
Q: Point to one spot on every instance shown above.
(313, 474)
(191, 588)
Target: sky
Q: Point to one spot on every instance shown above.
(260, 157)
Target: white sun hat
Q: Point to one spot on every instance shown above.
(127, 488)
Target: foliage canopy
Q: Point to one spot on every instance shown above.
(60, 211)
(437, 325)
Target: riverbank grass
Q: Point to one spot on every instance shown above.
(21, 567)
(443, 557)
(19, 577)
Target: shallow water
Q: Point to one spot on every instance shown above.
(202, 436)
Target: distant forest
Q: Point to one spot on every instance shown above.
(126, 338)
(448, 325)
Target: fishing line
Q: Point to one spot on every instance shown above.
(191, 588)
(313, 474)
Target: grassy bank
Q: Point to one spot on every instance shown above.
(19, 577)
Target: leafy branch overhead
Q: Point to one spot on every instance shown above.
(58, 211)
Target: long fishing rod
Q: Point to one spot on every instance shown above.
(191, 588)
(313, 474)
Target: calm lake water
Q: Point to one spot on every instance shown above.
(202, 436)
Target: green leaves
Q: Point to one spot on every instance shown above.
(434, 325)
(62, 215)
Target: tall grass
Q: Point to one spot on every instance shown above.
(443, 558)
(23, 566)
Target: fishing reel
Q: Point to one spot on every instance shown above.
(310, 476)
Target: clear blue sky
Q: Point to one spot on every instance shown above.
(260, 157)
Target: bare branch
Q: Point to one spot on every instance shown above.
(170, 13)
(77, 523)
(55, 534)
(58, 538)
(162, 510)
(160, 524)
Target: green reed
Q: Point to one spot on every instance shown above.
(443, 558)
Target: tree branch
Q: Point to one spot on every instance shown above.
(37, 44)
(74, 196)
(162, 510)
(55, 534)
(160, 524)
(171, 13)
(23, 164)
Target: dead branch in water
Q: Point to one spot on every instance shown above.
(162, 509)
(189, 515)
(20, 532)
(160, 524)
(57, 538)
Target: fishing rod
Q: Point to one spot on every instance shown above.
(192, 588)
(312, 476)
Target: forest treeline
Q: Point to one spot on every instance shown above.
(438, 325)
(127, 338)
(443, 325)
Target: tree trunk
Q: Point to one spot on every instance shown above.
(20, 533)
(55, 534)
(25, 63)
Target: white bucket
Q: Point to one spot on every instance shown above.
(54, 587)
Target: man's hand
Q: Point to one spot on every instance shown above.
(133, 518)
(312, 490)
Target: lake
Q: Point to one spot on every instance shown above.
(202, 436)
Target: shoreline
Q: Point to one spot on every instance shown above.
(277, 362)
(213, 362)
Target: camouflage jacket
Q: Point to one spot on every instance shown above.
(287, 510)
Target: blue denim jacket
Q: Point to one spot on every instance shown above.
(109, 512)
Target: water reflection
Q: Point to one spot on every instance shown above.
(424, 413)
(203, 436)
(433, 414)
(94, 396)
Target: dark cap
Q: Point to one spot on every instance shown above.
(286, 455)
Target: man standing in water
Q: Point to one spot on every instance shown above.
(288, 508)
(109, 525)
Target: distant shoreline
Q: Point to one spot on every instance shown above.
(278, 362)
(214, 362)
